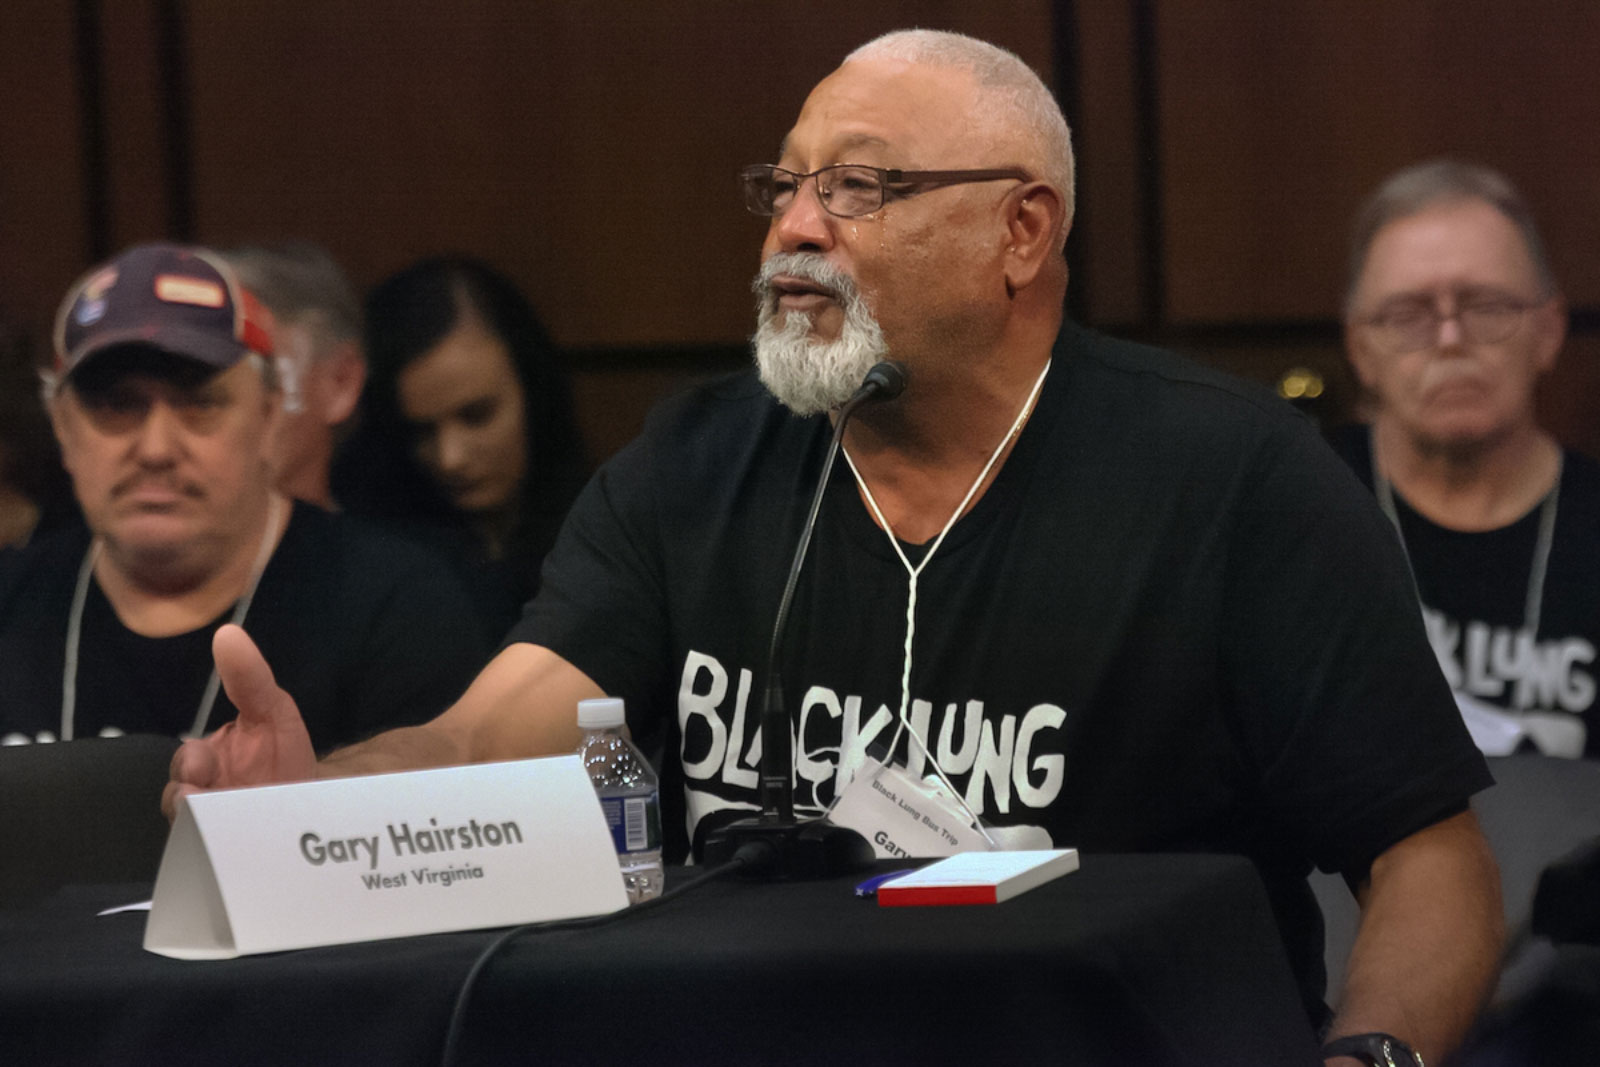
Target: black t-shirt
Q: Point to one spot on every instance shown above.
(364, 630)
(1175, 621)
(1474, 588)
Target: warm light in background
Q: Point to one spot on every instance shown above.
(1300, 383)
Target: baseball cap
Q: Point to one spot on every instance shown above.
(182, 300)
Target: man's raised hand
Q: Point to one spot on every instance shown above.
(267, 743)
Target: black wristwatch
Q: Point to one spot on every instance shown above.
(1379, 1050)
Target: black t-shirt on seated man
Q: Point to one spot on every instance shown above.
(1475, 588)
(1174, 622)
(365, 630)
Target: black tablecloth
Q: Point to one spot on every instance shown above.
(1130, 960)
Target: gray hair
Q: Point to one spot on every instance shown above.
(301, 284)
(1024, 100)
(1442, 181)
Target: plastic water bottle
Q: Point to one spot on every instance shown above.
(628, 795)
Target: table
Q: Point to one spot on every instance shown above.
(1130, 960)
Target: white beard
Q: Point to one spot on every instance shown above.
(809, 376)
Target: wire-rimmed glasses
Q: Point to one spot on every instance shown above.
(1412, 323)
(850, 190)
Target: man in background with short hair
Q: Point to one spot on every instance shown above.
(1453, 317)
(316, 336)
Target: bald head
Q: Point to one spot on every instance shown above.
(1012, 110)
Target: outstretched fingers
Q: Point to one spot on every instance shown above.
(248, 680)
(267, 743)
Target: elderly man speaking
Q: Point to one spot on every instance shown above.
(1089, 578)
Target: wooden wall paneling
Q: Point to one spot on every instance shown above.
(1277, 119)
(1570, 393)
(44, 236)
(589, 148)
(1109, 229)
(141, 185)
(586, 148)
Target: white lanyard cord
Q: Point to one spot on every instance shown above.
(904, 723)
(80, 596)
(1538, 570)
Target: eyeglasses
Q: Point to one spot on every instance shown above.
(1413, 323)
(849, 190)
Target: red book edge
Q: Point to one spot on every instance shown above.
(892, 897)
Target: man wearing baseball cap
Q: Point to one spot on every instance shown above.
(163, 398)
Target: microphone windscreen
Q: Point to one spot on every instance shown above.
(887, 378)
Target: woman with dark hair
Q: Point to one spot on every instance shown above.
(466, 431)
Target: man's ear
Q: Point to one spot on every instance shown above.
(343, 375)
(58, 424)
(1550, 326)
(1036, 223)
(272, 403)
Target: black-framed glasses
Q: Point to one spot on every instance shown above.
(851, 189)
(1412, 324)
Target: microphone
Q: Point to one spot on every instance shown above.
(884, 380)
(814, 848)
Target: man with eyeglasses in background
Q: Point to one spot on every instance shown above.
(1130, 638)
(1452, 316)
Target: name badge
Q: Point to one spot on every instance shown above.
(903, 816)
(390, 855)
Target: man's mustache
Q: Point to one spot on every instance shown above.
(807, 266)
(135, 482)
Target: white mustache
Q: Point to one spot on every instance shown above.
(1444, 373)
(808, 266)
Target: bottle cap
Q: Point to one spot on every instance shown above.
(600, 713)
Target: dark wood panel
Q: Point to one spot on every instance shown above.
(1110, 224)
(588, 148)
(1567, 397)
(1277, 119)
(43, 227)
(139, 179)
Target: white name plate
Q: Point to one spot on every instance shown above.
(389, 855)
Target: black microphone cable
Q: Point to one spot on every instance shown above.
(753, 855)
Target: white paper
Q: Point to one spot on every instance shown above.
(901, 816)
(980, 868)
(138, 905)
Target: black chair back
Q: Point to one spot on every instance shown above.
(82, 812)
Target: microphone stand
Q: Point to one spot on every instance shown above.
(777, 845)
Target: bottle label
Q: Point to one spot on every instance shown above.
(635, 822)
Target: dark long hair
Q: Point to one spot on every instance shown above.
(408, 314)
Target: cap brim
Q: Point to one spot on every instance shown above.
(199, 346)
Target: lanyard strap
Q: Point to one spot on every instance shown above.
(80, 596)
(1539, 568)
(913, 573)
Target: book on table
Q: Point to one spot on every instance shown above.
(978, 877)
